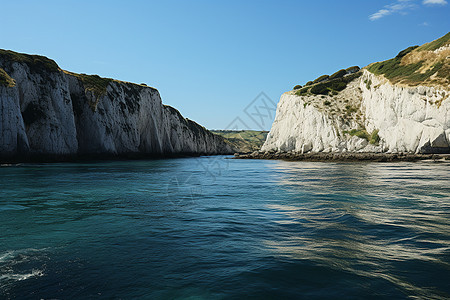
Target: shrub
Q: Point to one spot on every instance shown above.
(337, 85)
(321, 78)
(353, 69)
(302, 92)
(319, 89)
(351, 77)
(361, 133)
(374, 137)
(297, 87)
(435, 44)
(94, 83)
(406, 51)
(5, 79)
(338, 74)
(392, 68)
(308, 83)
(327, 103)
(36, 63)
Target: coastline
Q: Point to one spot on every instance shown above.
(48, 158)
(343, 156)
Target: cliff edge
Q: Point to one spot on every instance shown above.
(49, 112)
(399, 105)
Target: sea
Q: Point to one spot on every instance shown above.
(219, 228)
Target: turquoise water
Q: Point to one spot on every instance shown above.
(214, 228)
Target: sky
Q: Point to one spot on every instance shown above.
(223, 64)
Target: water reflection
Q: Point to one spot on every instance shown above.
(366, 219)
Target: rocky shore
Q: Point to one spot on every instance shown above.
(343, 156)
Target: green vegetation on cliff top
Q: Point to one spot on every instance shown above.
(418, 65)
(330, 85)
(436, 44)
(5, 79)
(412, 66)
(94, 83)
(36, 63)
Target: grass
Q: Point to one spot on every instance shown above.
(374, 137)
(412, 67)
(328, 87)
(406, 51)
(5, 79)
(435, 44)
(338, 74)
(362, 133)
(393, 70)
(36, 63)
(94, 83)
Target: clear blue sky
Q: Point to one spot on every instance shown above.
(210, 59)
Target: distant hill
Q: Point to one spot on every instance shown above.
(243, 140)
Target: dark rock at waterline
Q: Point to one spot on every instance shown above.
(346, 156)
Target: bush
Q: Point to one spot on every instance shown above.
(406, 51)
(308, 83)
(338, 74)
(361, 133)
(326, 102)
(351, 77)
(297, 87)
(435, 44)
(337, 85)
(5, 79)
(321, 78)
(374, 137)
(94, 83)
(392, 68)
(353, 69)
(302, 92)
(36, 63)
(319, 89)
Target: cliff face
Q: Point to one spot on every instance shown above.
(47, 111)
(402, 109)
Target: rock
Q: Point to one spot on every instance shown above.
(398, 115)
(56, 113)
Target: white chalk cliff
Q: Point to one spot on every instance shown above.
(404, 109)
(47, 111)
